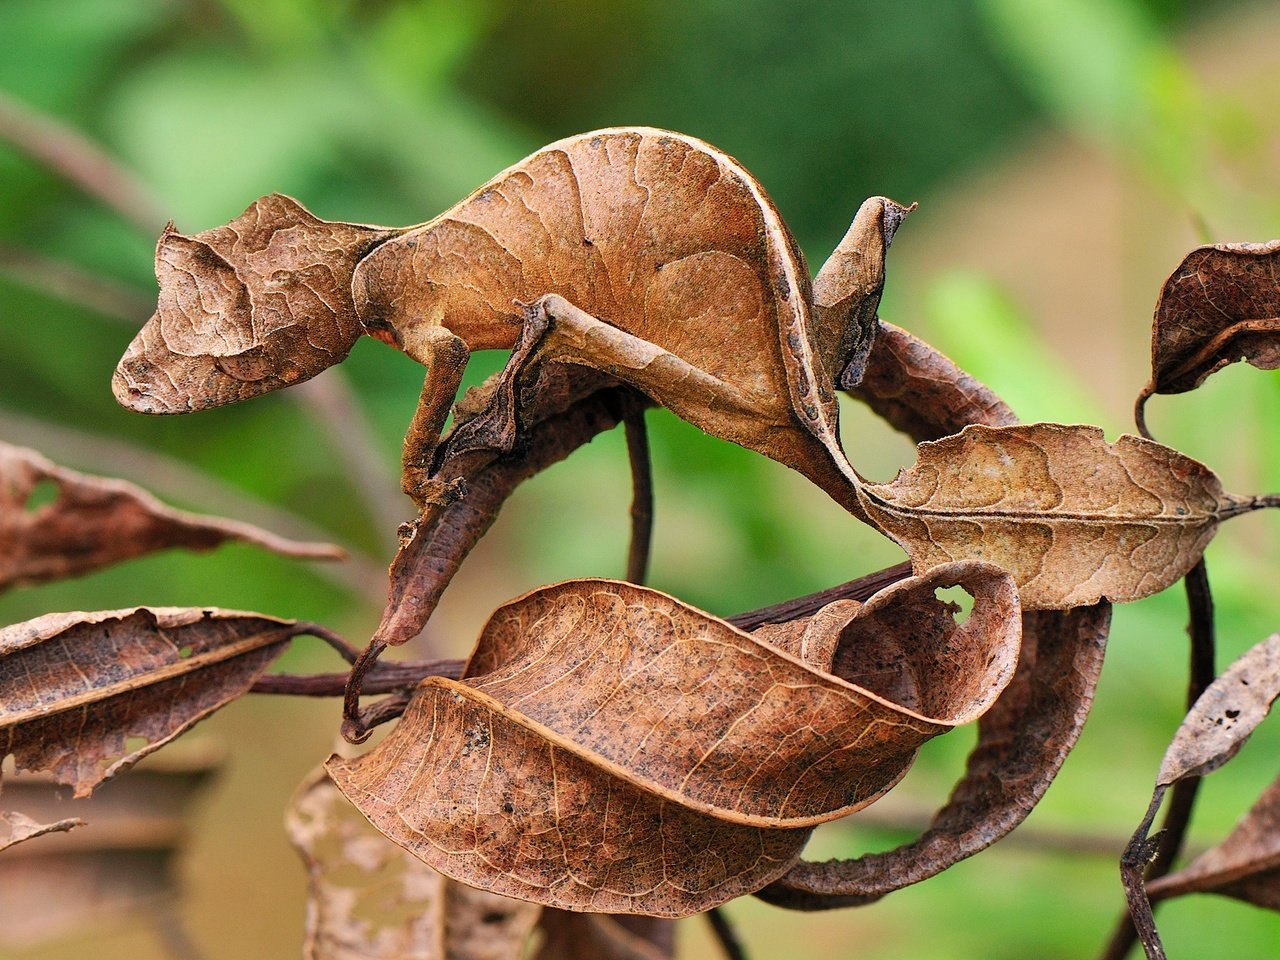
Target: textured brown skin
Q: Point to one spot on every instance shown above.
(96, 521)
(75, 686)
(371, 900)
(1073, 518)
(1245, 865)
(618, 750)
(678, 274)
(1220, 305)
(1024, 739)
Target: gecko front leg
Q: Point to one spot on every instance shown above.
(444, 355)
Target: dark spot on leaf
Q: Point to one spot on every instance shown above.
(1232, 714)
(493, 916)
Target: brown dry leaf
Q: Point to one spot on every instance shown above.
(1224, 716)
(614, 750)
(88, 522)
(1246, 865)
(372, 900)
(17, 827)
(1023, 739)
(1221, 304)
(1073, 518)
(77, 688)
(653, 256)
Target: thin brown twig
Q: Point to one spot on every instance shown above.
(642, 495)
(77, 159)
(387, 677)
(1182, 798)
(861, 588)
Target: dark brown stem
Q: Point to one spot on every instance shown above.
(641, 497)
(726, 936)
(1182, 797)
(385, 678)
(354, 728)
(862, 588)
(345, 650)
(1133, 865)
(1140, 410)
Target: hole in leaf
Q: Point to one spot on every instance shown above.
(958, 598)
(42, 494)
(184, 651)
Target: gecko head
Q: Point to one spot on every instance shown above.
(258, 304)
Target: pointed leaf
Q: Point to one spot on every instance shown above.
(1221, 304)
(74, 687)
(1226, 713)
(90, 522)
(372, 900)
(614, 750)
(1246, 865)
(1073, 518)
(16, 827)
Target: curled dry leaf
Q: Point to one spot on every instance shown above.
(16, 827)
(1246, 865)
(1221, 304)
(1224, 716)
(611, 749)
(1023, 739)
(75, 687)
(1073, 518)
(648, 255)
(90, 522)
(372, 900)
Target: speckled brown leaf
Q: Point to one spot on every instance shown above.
(17, 827)
(648, 255)
(614, 750)
(76, 687)
(1221, 304)
(1224, 716)
(1073, 518)
(1246, 865)
(88, 522)
(372, 900)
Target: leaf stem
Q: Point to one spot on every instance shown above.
(726, 935)
(641, 497)
(1182, 798)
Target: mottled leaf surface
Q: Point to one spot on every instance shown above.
(1073, 518)
(1221, 305)
(1224, 716)
(87, 522)
(614, 750)
(75, 687)
(1245, 865)
(372, 900)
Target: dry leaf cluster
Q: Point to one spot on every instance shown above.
(610, 756)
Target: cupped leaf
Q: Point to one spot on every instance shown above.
(1245, 865)
(87, 522)
(614, 750)
(372, 900)
(1221, 305)
(1073, 518)
(17, 827)
(75, 687)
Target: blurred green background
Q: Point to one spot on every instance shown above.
(1066, 154)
